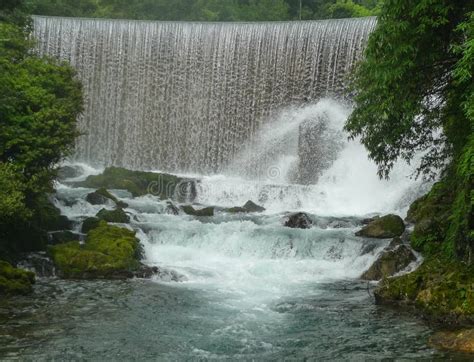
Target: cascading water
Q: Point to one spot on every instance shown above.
(244, 104)
(185, 96)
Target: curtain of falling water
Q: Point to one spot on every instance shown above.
(184, 96)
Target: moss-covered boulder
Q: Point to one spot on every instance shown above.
(457, 341)
(102, 196)
(115, 216)
(389, 263)
(89, 224)
(110, 252)
(205, 212)
(138, 183)
(15, 281)
(442, 289)
(60, 237)
(388, 226)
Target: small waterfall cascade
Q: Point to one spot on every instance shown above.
(185, 97)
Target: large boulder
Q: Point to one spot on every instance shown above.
(102, 196)
(109, 252)
(15, 281)
(138, 183)
(389, 263)
(388, 226)
(115, 216)
(441, 289)
(457, 341)
(298, 221)
(189, 210)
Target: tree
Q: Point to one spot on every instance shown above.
(415, 95)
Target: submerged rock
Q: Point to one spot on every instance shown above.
(189, 210)
(299, 221)
(390, 262)
(442, 289)
(89, 224)
(102, 196)
(115, 216)
(389, 226)
(110, 252)
(171, 208)
(459, 341)
(138, 183)
(249, 206)
(15, 281)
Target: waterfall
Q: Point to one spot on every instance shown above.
(185, 97)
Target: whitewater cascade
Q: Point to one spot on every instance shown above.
(184, 97)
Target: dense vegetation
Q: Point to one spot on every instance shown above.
(40, 100)
(415, 93)
(208, 10)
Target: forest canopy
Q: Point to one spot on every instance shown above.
(208, 10)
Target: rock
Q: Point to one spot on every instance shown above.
(394, 243)
(15, 281)
(115, 216)
(66, 172)
(102, 196)
(389, 226)
(459, 341)
(171, 209)
(109, 252)
(441, 289)
(89, 224)
(138, 183)
(60, 237)
(248, 207)
(299, 221)
(189, 210)
(389, 263)
(368, 220)
(38, 263)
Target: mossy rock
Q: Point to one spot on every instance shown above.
(388, 226)
(457, 341)
(138, 183)
(15, 281)
(109, 252)
(390, 263)
(102, 196)
(206, 212)
(115, 216)
(89, 224)
(443, 290)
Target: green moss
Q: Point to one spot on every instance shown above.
(442, 289)
(388, 226)
(188, 209)
(109, 251)
(138, 183)
(15, 281)
(116, 216)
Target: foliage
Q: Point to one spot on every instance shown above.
(12, 197)
(15, 281)
(207, 10)
(406, 95)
